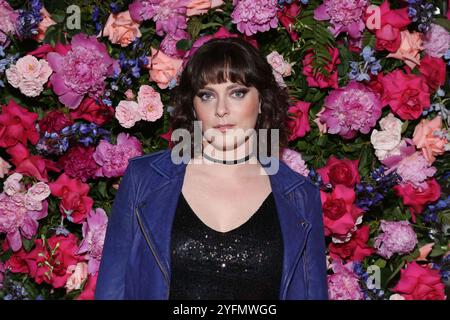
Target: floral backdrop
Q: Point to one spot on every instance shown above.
(85, 87)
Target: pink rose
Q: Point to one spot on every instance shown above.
(4, 167)
(424, 138)
(420, 283)
(163, 69)
(318, 79)
(407, 94)
(38, 192)
(298, 122)
(77, 275)
(278, 63)
(340, 215)
(150, 106)
(410, 46)
(121, 28)
(433, 69)
(46, 22)
(198, 7)
(127, 113)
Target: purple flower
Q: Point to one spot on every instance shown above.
(169, 43)
(350, 110)
(81, 71)
(94, 231)
(397, 237)
(113, 159)
(252, 16)
(169, 15)
(344, 15)
(16, 220)
(344, 283)
(8, 18)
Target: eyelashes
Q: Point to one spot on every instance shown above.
(241, 94)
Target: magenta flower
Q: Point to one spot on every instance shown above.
(350, 110)
(82, 70)
(169, 15)
(113, 159)
(8, 17)
(94, 231)
(252, 16)
(344, 15)
(16, 220)
(344, 283)
(397, 237)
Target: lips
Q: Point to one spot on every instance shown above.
(224, 127)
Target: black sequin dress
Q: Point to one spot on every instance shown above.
(244, 263)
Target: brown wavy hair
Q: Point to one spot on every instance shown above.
(236, 60)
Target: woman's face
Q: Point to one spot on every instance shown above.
(227, 103)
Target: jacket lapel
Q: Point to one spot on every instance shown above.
(157, 210)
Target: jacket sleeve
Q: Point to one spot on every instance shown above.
(111, 275)
(316, 250)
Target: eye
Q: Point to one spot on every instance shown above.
(240, 93)
(204, 96)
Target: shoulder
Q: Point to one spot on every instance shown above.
(305, 181)
(146, 159)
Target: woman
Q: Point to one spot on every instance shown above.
(228, 222)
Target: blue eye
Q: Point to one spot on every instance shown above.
(241, 93)
(201, 95)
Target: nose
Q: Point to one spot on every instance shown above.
(222, 107)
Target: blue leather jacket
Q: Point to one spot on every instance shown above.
(136, 253)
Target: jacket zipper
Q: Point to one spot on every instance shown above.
(150, 245)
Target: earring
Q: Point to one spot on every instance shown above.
(259, 108)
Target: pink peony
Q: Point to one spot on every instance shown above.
(16, 220)
(79, 163)
(294, 160)
(252, 16)
(94, 231)
(345, 16)
(8, 18)
(150, 106)
(169, 15)
(420, 283)
(81, 71)
(113, 159)
(410, 165)
(29, 75)
(169, 44)
(397, 237)
(350, 110)
(436, 41)
(298, 122)
(340, 214)
(344, 283)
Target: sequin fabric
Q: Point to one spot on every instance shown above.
(244, 263)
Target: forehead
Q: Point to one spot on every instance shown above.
(228, 85)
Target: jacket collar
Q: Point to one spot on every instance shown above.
(159, 205)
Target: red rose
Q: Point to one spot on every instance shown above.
(388, 30)
(318, 79)
(75, 203)
(415, 198)
(79, 162)
(17, 125)
(17, 262)
(93, 111)
(298, 122)
(339, 171)
(339, 212)
(376, 84)
(356, 249)
(407, 94)
(31, 165)
(54, 121)
(89, 288)
(287, 17)
(48, 262)
(42, 51)
(420, 283)
(433, 69)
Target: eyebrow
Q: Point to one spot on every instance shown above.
(231, 86)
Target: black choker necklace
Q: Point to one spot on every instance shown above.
(228, 161)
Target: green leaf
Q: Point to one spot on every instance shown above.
(381, 263)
